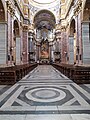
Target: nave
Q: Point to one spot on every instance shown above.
(45, 94)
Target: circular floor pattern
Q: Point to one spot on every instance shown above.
(45, 94)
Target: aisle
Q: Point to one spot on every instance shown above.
(45, 94)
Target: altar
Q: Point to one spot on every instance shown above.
(44, 52)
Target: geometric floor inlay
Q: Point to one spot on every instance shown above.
(47, 95)
(45, 91)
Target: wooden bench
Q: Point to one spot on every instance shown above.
(79, 74)
(10, 75)
(7, 77)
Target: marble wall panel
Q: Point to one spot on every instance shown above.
(3, 43)
(71, 49)
(18, 51)
(86, 43)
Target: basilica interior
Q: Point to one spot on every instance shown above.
(54, 31)
(45, 59)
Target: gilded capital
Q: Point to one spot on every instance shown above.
(63, 28)
(25, 27)
(78, 8)
(10, 8)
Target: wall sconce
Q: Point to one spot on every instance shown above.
(23, 53)
(11, 48)
(65, 53)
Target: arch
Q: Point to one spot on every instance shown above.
(16, 28)
(2, 12)
(86, 10)
(44, 15)
(44, 23)
(72, 27)
(16, 43)
(72, 42)
(44, 11)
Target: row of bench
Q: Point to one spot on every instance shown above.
(79, 74)
(10, 75)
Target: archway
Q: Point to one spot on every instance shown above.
(2, 12)
(44, 23)
(86, 33)
(3, 36)
(16, 43)
(72, 43)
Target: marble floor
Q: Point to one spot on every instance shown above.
(45, 94)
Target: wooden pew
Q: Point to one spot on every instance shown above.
(10, 75)
(7, 77)
(79, 74)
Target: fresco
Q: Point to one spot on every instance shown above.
(44, 49)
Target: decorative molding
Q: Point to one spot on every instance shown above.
(10, 8)
(63, 28)
(67, 25)
(31, 27)
(58, 26)
(25, 27)
(78, 8)
(58, 33)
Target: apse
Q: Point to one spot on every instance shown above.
(44, 24)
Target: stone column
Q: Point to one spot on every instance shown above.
(49, 52)
(30, 43)
(21, 44)
(80, 38)
(10, 19)
(77, 38)
(60, 48)
(63, 45)
(25, 45)
(35, 49)
(3, 43)
(18, 49)
(71, 50)
(37, 52)
(9, 39)
(52, 54)
(86, 42)
(78, 14)
(53, 51)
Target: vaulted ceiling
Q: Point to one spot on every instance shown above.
(44, 15)
(44, 19)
